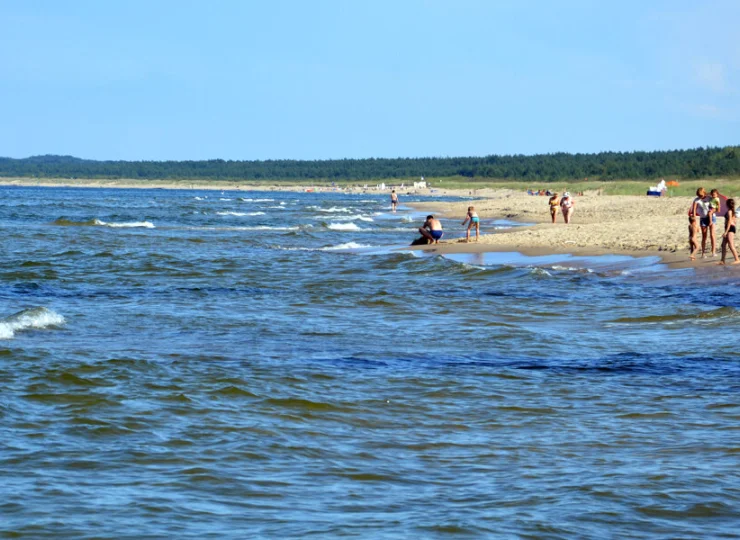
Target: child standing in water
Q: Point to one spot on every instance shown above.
(554, 203)
(474, 220)
(728, 238)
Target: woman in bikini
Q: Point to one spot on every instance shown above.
(728, 238)
(554, 203)
(474, 220)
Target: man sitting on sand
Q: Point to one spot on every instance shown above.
(431, 230)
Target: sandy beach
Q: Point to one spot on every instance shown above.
(620, 224)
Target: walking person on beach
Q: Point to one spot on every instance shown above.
(700, 208)
(566, 205)
(474, 220)
(394, 200)
(431, 230)
(728, 238)
(554, 203)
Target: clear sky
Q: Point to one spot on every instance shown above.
(314, 79)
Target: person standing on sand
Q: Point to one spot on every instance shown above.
(693, 236)
(431, 230)
(700, 209)
(554, 203)
(474, 220)
(394, 200)
(728, 238)
(566, 205)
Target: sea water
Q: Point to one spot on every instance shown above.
(199, 364)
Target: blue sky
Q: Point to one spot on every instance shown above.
(313, 79)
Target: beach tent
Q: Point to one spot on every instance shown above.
(722, 206)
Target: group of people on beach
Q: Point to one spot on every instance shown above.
(566, 204)
(432, 231)
(703, 216)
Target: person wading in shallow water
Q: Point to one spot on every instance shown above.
(431, 230)
(394, 200)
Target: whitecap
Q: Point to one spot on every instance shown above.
(332, 210)
(343, 227)
(38, 317)
(254, 228)
(222, 199)
(126, 225)
(239, 214)
(348, 245)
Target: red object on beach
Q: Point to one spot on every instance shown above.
(722, 205)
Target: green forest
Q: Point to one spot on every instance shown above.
(682, 164)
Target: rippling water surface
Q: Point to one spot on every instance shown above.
(198, 364)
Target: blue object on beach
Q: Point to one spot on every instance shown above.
(655, 193)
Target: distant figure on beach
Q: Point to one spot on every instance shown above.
(693, 236)
(472, 219)
(394, 200)
(431, 230)
(701, 209)
(554, 203)
(728, 238)
(566, 205)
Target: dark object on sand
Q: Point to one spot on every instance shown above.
(421, 241)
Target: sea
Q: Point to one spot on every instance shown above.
(205, 364)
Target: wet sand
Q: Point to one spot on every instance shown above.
(614, 224)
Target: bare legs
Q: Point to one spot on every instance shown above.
(426, 234)
(477, 231)
(567, 212)
(693, 242)
(553, 215)
(729, 241)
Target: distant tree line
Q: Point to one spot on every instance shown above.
(694, 163)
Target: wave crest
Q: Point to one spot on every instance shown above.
(38, 317)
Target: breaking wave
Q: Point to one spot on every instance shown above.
(38, 317)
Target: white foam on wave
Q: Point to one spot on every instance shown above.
(199, 198)
(343, 227)
(222, 199)
(571, 269)
(332, 210)
(339, 247)
(540, 271)
(242, 199)
(348, 218)
(348, 245)
(240, 214)
(126, 225)
(38, 317)
(254, 228)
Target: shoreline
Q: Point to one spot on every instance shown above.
(635, 226)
